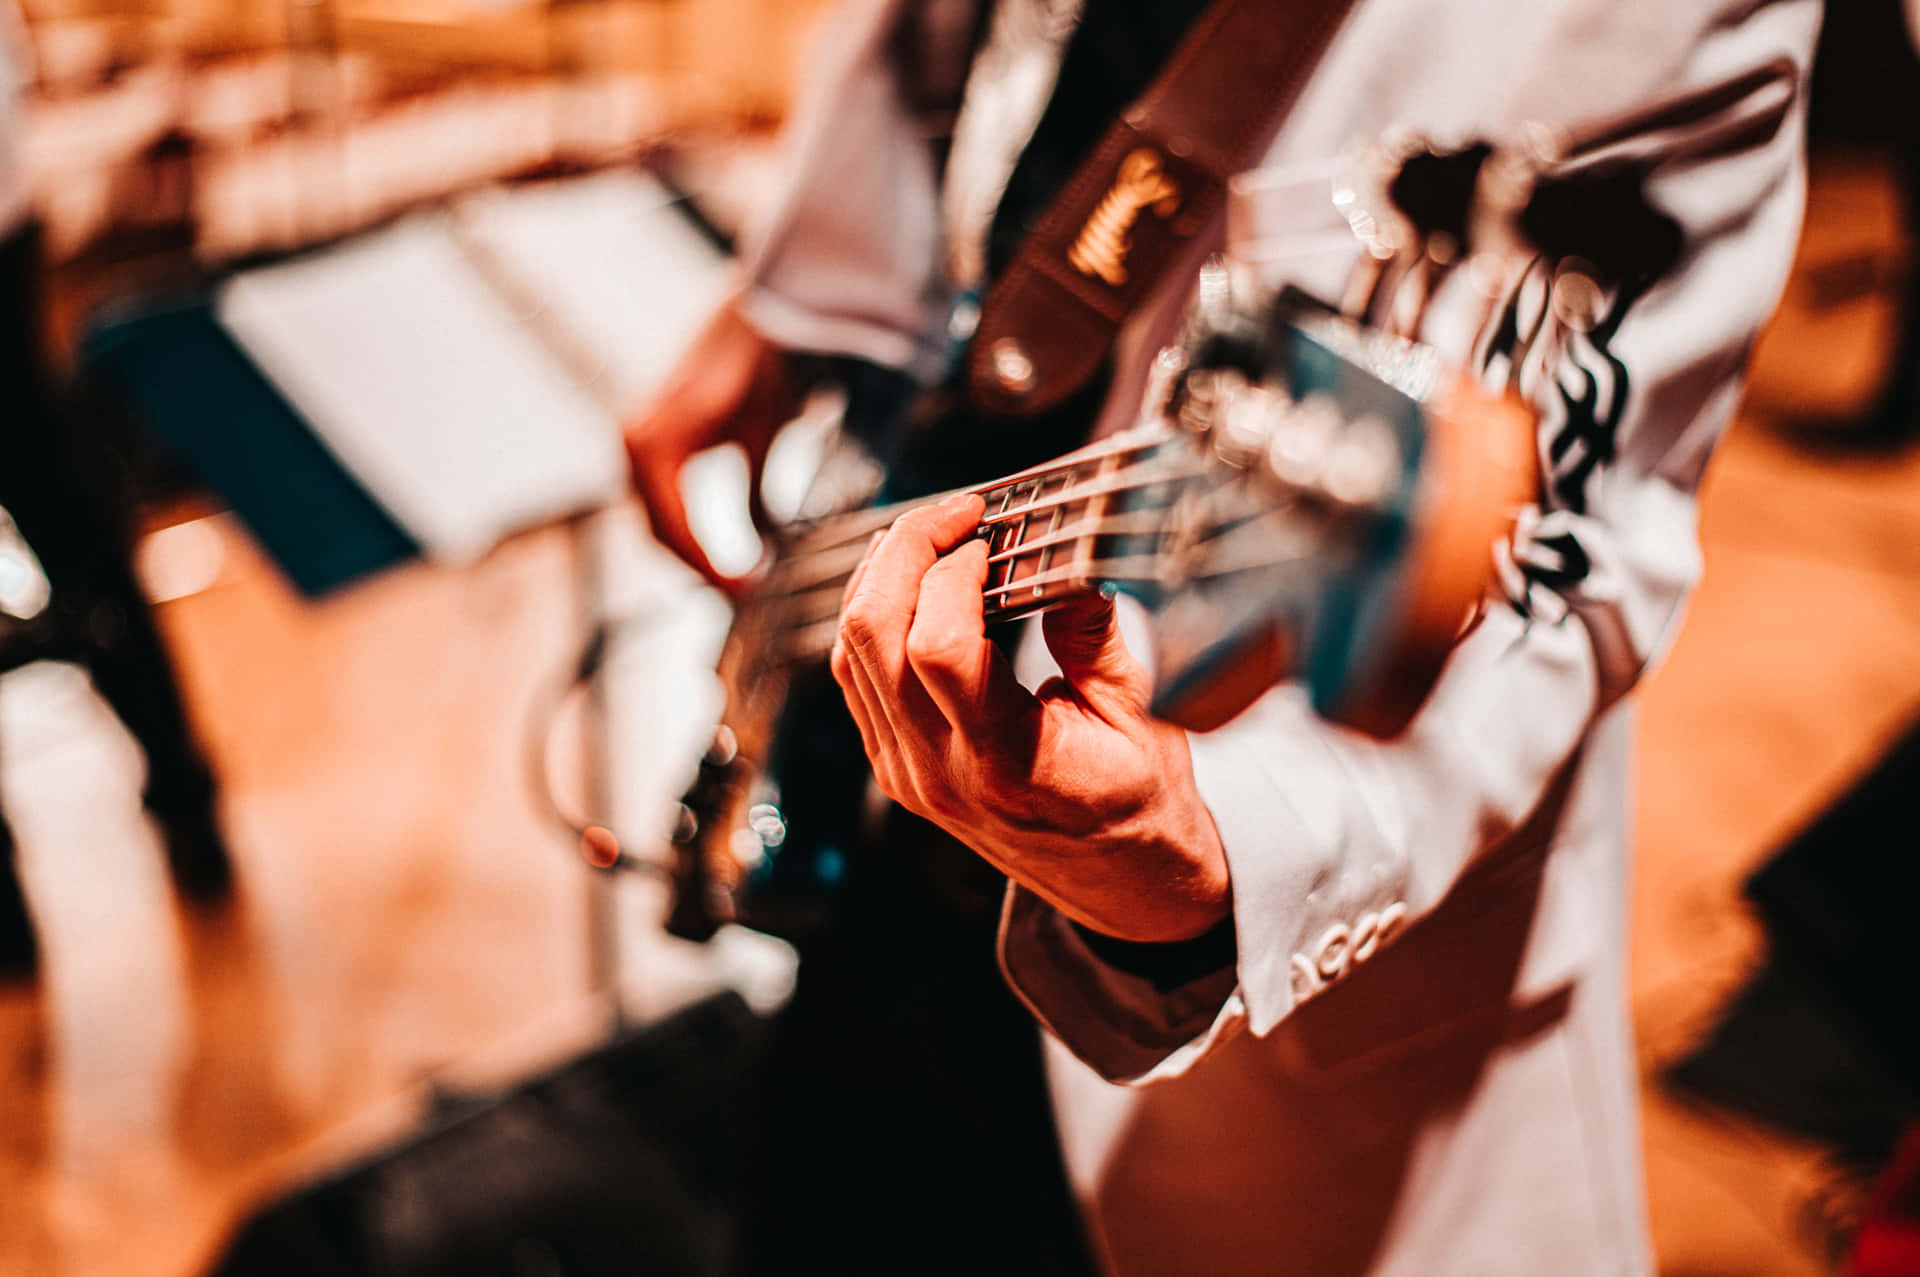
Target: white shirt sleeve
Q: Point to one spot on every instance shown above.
(1336, 842)
(15, 53)
(848, 260)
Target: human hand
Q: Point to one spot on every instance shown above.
(732, 386)
(1075, 791)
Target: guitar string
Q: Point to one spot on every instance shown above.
(1220, 527)
(857, 525)
(810, 639)
(1120, 523)
(854, 529)
(809, 636)
(806, 633)
(822, 558)
(831, 567)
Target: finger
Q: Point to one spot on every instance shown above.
(947, 647)
(1084, 637)
(757, 442)
(912, 734)
(656, 480)
(859, 570)
(731, 384)
(879, 610)
(859, 696)
(857, 704)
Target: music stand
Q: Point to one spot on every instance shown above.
(429, 389)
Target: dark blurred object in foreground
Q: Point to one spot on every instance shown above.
(1838, 898)
(1824, 1041)
(621, 1162)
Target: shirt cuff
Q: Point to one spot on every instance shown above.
(1316, 892)
(1121, 1022)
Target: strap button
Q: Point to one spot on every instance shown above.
(1012, 366)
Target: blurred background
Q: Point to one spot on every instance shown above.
(417, 225)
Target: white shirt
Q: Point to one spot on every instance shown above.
(1459, 1098)
(13, 81)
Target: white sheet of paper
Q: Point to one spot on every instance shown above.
(439, 359)
(620, 276)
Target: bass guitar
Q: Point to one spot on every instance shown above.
(1310, 494)
(1305, 497)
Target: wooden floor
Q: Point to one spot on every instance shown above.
(406, 907)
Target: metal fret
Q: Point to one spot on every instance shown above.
(1047, 540)
(1026, 521)
(1099, 493)
(1141, 522)
(1124, 567)
(1005, 532)
(1108, 479)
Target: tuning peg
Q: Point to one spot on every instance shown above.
(724, 748)
(1297, 452)
(1204, 393)
(1159, 399)
(1363, 467)
(1247, 419)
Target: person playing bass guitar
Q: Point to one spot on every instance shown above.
(1313, 1002)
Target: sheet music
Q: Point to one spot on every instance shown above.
(618, 276)
(462, 405)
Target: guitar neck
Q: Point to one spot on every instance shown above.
(1052, 532)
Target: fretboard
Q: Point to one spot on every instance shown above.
(1052, 532)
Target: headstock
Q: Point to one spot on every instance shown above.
(1355, 482)
(1341, 531)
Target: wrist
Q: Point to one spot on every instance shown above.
(1170, 964)
(1179, 888)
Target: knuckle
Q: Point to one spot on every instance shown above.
(888, 778)
(941, 805)
(928, 647)
(859, 627)
(931, 800)
(915, 522)
(960, 796)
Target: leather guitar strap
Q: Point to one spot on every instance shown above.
(1155, 181)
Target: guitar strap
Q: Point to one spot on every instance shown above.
(1154, 181)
